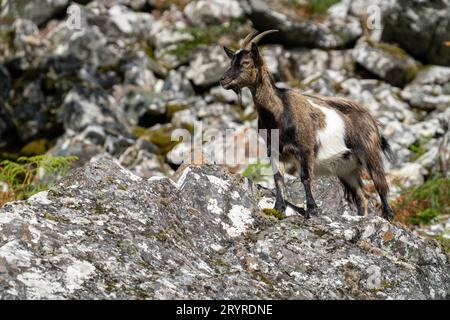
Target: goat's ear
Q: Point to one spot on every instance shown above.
(255, 54)
(229, 52)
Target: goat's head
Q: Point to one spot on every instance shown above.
(246, 63)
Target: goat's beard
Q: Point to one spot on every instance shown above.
(239, 95)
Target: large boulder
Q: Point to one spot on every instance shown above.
(204, 12)
(421, 27)
(388, 62)
(324, 31)
(105, 233)
(37, 11)
(430, 89)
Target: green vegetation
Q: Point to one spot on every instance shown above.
(254, 171)
(321, 6)
(445, 242)
(21, 177)
(311, 7)
(418, 147)
(160, 135)
(420, 205)
(273, 213)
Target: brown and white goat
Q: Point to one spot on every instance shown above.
(321, 135)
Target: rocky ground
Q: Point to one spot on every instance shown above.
(116, 77)
(104, 232)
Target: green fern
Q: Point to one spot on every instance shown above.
(21, 176)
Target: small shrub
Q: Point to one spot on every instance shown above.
(419, 205)
(418, 148)
(254, 171)
(20, 178)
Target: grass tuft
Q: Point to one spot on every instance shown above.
(20, 179)
(273, 213)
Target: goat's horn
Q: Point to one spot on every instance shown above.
(247, 39)
(257, 38)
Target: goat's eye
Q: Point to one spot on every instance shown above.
(245, 63)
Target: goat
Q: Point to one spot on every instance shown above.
(320, 135)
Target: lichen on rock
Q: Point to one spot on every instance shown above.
(113, 236)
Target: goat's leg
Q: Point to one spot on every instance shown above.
(278, 176)
(354, 193)
(376, 171)
(306, 170)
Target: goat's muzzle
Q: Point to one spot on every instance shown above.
(226, 83)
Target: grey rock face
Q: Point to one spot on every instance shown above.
(207, 67)
(333, 32)
(430, 89)
(5, 117)
(388, 62)
(421, 28)
(103, 232)
(204, 12)
(38, 11)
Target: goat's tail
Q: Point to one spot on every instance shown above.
(386, 148)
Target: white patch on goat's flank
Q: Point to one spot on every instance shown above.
(332, 146)
(241, 218)
(331, 138)
(213, 207)
(77, 273)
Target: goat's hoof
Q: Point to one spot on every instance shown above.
(388, 216)
(280, 207)
(312, 211)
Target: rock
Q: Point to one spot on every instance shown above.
(130, 22)
(328, 32)
(444, 155)
(388, 62)
(73, 143)
(400, 133)
(104, 233)
(430, 89)
(144, 107)
(89, 45)
(409, 175)
(83, 107)
(142, 160)
(138, 71)
(409, 23)
(93, 140)
(205, 12)
(208, 67)
(429, 159)
(6, 124)
(27, 41)
(177, 84)
(7, 127)
(38, 12)
(312, 63)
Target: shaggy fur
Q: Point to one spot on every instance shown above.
(321, 135)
